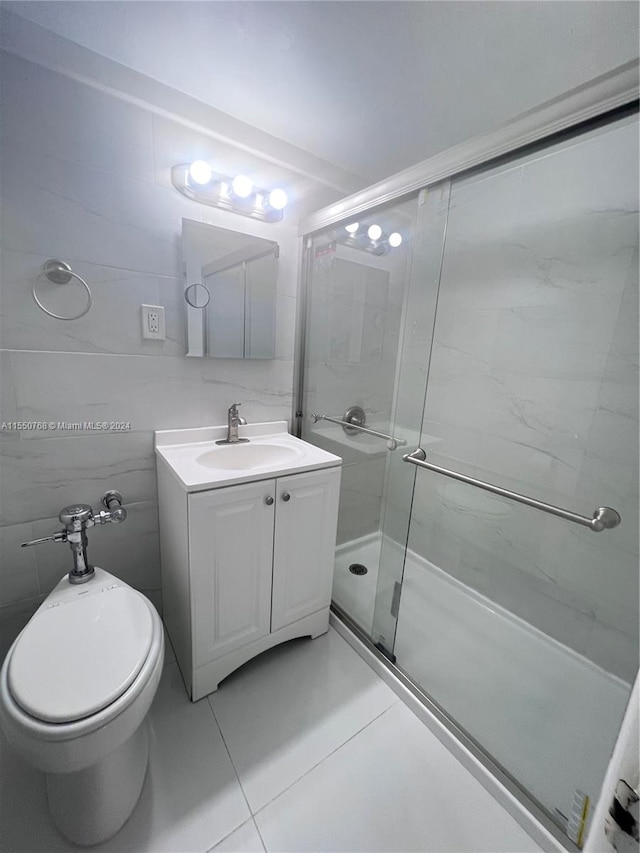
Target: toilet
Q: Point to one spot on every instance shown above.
(75, 689)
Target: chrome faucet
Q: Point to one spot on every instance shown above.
(76, 519)
(234, 420)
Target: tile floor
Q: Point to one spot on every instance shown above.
(304, 748)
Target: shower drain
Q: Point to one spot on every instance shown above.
(358, 569)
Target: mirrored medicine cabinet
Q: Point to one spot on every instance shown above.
(230, 292)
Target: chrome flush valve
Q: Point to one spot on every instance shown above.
(76, 519)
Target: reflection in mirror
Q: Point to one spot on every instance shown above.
(230, 292)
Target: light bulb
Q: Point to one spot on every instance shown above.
(395, 240)
(277, 199)
(352, 228)
(242, 186)
(200, 172)
(374, 232)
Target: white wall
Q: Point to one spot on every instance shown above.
(86, 179)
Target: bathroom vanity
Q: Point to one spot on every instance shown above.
(247, 538)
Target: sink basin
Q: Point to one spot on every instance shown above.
(241, 457)
(194, 458)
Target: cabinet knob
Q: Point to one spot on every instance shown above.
(286, 496)
(268, 500)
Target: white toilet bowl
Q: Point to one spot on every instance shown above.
(75, 689)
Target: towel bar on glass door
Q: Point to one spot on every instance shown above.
(603, 518)
(392, 442)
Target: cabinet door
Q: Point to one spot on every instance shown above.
(304, 544)
(230, 561)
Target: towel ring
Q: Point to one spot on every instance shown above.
(60, 273)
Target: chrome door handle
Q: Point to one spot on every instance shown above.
(286, 496)
(268, 500)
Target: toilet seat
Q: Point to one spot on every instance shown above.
(80, 652)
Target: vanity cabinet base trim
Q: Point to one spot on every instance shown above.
(207, 678)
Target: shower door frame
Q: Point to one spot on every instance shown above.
(598, 102)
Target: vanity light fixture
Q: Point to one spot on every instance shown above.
(200, 172)
(277, 199)
(369, 238)
(242, 186)
(200, 183)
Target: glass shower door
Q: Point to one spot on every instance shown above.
(522, 626)
(355, 326)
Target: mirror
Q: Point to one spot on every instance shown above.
(230, 292)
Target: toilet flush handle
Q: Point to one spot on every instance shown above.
(60, 536)
(77, 518)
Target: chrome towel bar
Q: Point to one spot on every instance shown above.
(392, 442)
(603, 518)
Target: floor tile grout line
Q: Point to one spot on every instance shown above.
(264, 844)
(318, 763)
(229, 834)
(215, 719)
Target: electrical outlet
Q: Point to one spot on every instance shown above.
(153, 322)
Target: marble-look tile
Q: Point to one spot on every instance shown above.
(79, 213)
(112, 325)
(148, 393)
(616, 652)
(190, 800)
(13, 618)
(556, 182)
(604, 574)
(514, 562)
(245, 839)
(525, 390)
(155, 597)
(334, 387)
(551, 414)
(549, 473)
(344, 804)
(287, 710)
(264, 388)
(52, 115)
(360, 499)
(8, 405)
(129, 550)
(41, 476)
(19, 578)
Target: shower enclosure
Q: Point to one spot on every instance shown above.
(497, 331)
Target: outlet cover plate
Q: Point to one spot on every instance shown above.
(152, 317)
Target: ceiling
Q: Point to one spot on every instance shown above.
(372, 87)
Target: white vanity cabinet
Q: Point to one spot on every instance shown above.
(245, 567)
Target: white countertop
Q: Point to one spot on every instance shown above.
(180, 449)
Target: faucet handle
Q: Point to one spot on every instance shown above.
(233, 408)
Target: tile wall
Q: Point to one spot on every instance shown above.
(533, 384)
(355, 313)
(86, 179)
